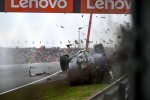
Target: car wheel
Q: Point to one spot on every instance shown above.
(64, 63)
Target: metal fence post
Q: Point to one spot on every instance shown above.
(122, 88)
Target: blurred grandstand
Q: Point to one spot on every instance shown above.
(24, 55)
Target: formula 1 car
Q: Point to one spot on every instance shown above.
(87, 66)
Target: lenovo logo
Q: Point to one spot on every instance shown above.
(106, 6)
(39, 6)
(103, 4)
(39, 3)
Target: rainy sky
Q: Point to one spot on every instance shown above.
(59, 29)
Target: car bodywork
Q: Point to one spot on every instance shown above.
(87, 66)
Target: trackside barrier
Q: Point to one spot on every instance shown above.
(116, 90)
(121, 96)
(107, 96)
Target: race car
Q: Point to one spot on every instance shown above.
(87, 66)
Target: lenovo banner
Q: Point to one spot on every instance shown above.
(67, 6)
(53, 6)
(106, 6)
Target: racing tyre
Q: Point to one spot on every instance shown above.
(64, 63)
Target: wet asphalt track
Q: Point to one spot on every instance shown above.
(13, 76)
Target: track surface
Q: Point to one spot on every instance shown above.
(13, 76)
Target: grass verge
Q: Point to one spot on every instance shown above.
(59, 90)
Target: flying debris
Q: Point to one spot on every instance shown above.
(69, 41)
(33, 42)
(80, 28)
(117, 5)
(62, 27)
(25, 41)
(104, 41)
(108, 29)
(76, 41)
(82, 15)
(102, 17)
(127, 25)
(40, 42)
(81, 41)
(69, 45)
(60, 42)
(90, 41)
(110, 40)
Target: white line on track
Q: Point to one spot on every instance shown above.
(31, 83)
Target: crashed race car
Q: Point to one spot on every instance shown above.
(87, 66)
